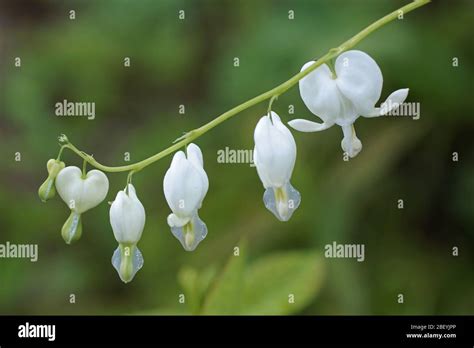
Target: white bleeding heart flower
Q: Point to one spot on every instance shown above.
(341, 99)
(80, 193)
(127, 217)
(274, 157)
(185, 185)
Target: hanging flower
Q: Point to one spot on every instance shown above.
(80, 193)
(185, 185)
(47, 190)
(342, 97)
(127, 217)
(274, 157)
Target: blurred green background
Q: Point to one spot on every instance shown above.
(407, 251)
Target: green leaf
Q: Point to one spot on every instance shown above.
(271, 281)
(188, 279)
(281, 283)
(195, 284)
(225, 294)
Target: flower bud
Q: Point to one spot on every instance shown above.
(127, 216)
(47, 190)
(72, 228)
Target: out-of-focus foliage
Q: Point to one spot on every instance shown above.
(191, 62)
(278, 283)
(282, 283)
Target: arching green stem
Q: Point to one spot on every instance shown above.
(272, 93)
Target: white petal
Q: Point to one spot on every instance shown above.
(121, 262)
(350, 143)
(69, 185)
(275, 151)
(184, 185)
(303, 125)
(82, 194)
(127, 217)
(96, 186)
(282, 202)
(282, 129)
(195, 157)
(360, 80)
(194, 154)
(262, 174)
(261, 131)
(192, 234)
(176, 221)
(171, 180)
(391, 103)
(321, 95)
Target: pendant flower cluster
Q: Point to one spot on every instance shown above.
(340, 97)
(337, 97)
(185, 186)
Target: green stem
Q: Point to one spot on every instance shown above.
(84, 166)
(275, 97)
(60, 153)
(278, 90)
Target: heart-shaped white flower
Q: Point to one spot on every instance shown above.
(80, 194)
(342, 97)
